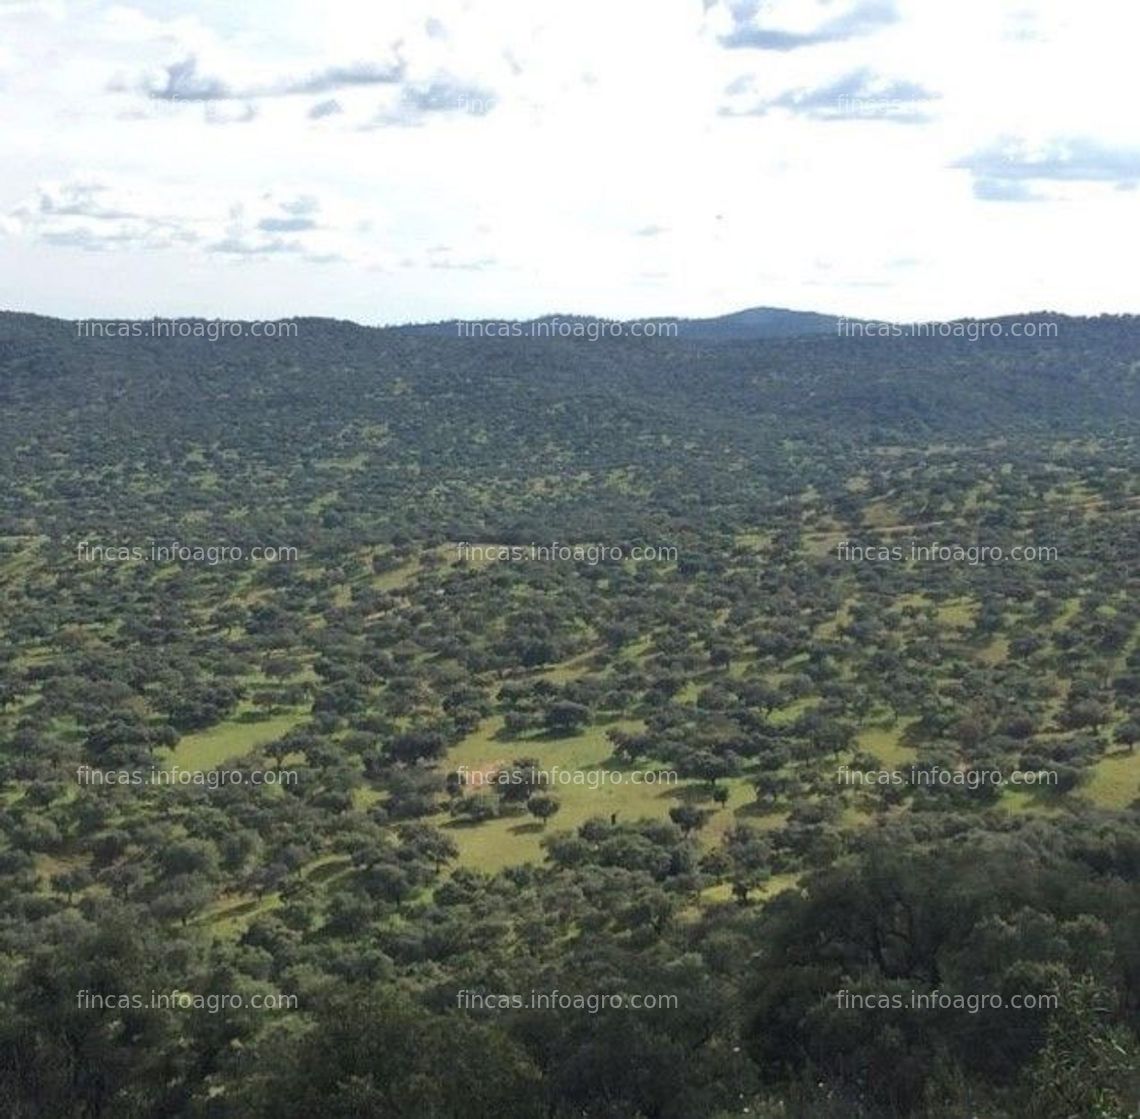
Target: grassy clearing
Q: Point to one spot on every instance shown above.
(636, 650)
(572, 669)
(740, 666)
(721, 893)
(231, 915)
(396, 578)
(885, 743)
(996, 652)
(688, 694)
(880, 514)
(781, 716)
(957, 613)
(365, 797)
(740, 809)
(510, 840)
(753, 541)
(1115, 781)
(207, 749)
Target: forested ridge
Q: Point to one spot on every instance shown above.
(763, 645)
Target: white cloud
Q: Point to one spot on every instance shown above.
(546, 138)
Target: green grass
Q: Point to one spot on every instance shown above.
(830, 629)
(1115, 781)
(996, 652)
(207, 749)
(396, 578)
(722, 892)
(753, 540)
(365, 797)
(229, 916)
(739, 809)
(636, 650)
(1019, 799)
(688, 694)
(510, 840)
(572, 669)
(1068, 612)
(885, 743)
(957, 613)
(781, 716)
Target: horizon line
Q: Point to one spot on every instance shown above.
(566, 316)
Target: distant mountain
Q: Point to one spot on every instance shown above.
(759, 322)
(752, 324)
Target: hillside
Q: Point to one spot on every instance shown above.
(707, 669)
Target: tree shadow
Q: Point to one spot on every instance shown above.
(754, 808)
(697, 793)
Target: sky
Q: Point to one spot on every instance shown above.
(397, 160)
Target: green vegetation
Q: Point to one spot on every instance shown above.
(233, 738)
(410, 688)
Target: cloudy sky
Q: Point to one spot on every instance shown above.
(401, 160)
